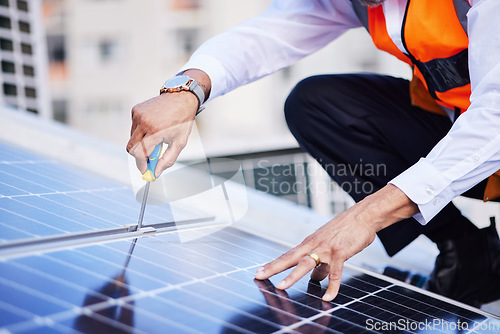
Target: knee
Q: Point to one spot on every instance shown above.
(300, 102)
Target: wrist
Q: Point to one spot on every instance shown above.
(184, 83)
(387, 206)
(202, 78)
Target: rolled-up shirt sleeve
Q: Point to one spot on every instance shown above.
(286, 32)
(470, 152)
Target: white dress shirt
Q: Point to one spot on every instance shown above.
(292, 29)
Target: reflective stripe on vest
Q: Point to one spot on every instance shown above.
(434, 34)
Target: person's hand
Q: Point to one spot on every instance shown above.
(167, 118)
(340, 239)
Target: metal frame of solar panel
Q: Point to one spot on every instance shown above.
(68, 264)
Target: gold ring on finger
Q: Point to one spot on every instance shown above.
(315, 257)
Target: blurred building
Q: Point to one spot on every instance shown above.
(23, 56)
(106, 56)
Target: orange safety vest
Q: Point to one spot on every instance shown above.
(434, 34)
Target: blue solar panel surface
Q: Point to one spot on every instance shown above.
(40, 197)
(161, 283)
(203, 286)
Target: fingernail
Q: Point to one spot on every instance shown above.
(260, 273)
(327, 297)
(260, 269)
(281, 285)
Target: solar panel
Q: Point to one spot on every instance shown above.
(173, 279)
(40, 198)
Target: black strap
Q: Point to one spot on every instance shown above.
(443, 74)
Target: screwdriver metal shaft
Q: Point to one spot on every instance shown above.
(149, 176)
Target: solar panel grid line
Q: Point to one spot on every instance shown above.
(129, 270)
(69, 192)
(188, 251)
(31, 219)
(324, 312)
(439, 298)
(249, 238)
(62, 216)
(68, 184)
(200, 262)
(15, 310)
(180, 327)
(427, 314)
(25, 247)
(310, 320)
(87, 213)
(192, 279)
(236, 310)
(405, 296)
(264, 236)
(29, 186)
(201, 314)
(267, 257)
(241, 296)
(95, 307)
(153, 212)
(21, 233)
(358, 300)
(14, 162)
(34, 292)
(103, 211)
(56, 280)
(40, 217)
(295, 317)
(247, 250)
(55, 322)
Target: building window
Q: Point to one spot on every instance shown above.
(102, 51)
(24, 27)
(4, 3)
(8, 67)
(5, 22)
(60, 110)
(26, 49)
(56, 48)
(6, 44)
(9, 89)
(187, 39)
(30, 92)
(29, 71)
(22, 5)
(108, 50)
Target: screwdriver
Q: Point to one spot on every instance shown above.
(149, 176)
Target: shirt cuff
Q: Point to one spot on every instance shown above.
(213, 68)
(426, 187)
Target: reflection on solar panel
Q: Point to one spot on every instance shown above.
(160, 283)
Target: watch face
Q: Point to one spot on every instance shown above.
(176, 81)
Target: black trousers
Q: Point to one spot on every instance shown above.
(364, 131)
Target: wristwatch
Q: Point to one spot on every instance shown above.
(185, 83)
